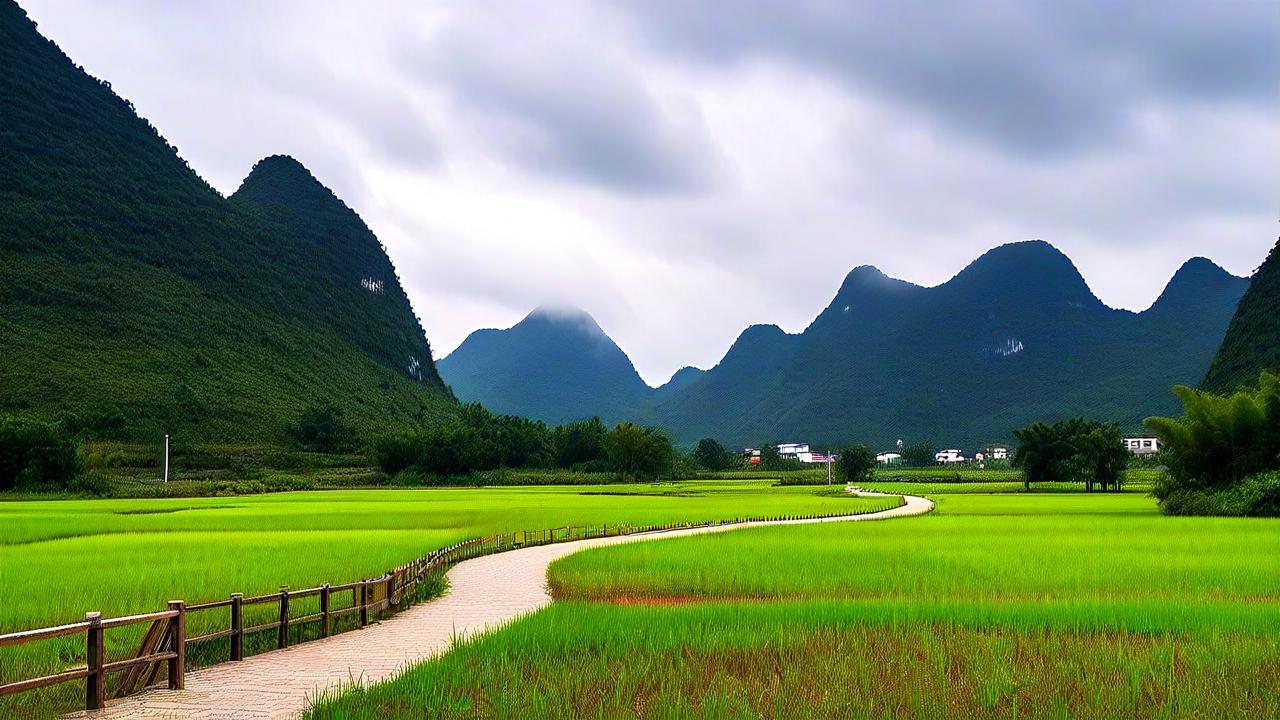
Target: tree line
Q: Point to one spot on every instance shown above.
(480, 440)
(1223, 453)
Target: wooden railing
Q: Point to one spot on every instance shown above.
(165, 643)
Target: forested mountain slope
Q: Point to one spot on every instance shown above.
(1252, 343)
(1015, 337)
(135, 300)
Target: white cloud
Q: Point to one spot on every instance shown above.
(681, 175)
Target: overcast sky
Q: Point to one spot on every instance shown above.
(681, 170)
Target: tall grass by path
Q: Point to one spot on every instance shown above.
(1007, 606)
(813, 659)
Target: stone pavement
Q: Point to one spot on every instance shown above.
(484, 593)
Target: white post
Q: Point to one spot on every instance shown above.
(166, 458)
(828, 469)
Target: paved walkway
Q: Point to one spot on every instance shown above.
(483, 593)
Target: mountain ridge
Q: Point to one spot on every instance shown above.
(136, 301)
(879, 337)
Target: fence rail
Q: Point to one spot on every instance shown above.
(165, 643)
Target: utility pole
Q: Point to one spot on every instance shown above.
(828, 469)
(166, 458)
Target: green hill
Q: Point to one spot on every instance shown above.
(1015, 337)
(1252, 343)
(136, 300)
(554, 365)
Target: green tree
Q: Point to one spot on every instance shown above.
(1219, 439)
(918, 455)
(637, 452)
(1037, 454)
(1074, 450)
(855, 464)
(579, 443)
(711, 455)
(1101, 449)
(36, 455)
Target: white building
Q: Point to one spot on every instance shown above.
(1142, 445)
(950, 456)
(889, 458)
(997, 452)
(795, 451)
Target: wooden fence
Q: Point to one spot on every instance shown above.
(165, 643)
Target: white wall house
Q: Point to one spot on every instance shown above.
(1142, 445)
(950, 456)
(889, 458)
(997, 452)
(795, 451)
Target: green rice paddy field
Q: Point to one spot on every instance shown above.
(997, 605)
(59, 559)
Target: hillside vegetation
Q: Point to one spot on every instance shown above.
(135, 300)
(1252, 342)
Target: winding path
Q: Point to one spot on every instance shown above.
(484, 593)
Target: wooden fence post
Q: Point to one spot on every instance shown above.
(391, 587)
(324, 610)
(95, 683)
(237, 626)
(178, 644)
(282, 636)
(364, 603)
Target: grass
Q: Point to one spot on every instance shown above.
(59, 559)
(1017, 605)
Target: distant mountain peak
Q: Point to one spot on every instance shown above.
(555, 365)
(283, 179)
(1199, 280)
(566, 316)
(760, 331)
(1027, 270)
(682, 378)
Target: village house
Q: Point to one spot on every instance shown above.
(792, 451)
(950, 456)
(889, 458)
(997, 451)
(795, 451)
(1142, 445)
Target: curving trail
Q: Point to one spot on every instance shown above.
(484, 593)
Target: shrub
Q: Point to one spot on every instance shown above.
(320, 428)
(855, 464)
(396, 451)
(1256, 496)
(91, 483)
(36, 455)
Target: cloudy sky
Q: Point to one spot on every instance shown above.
(681, 170)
